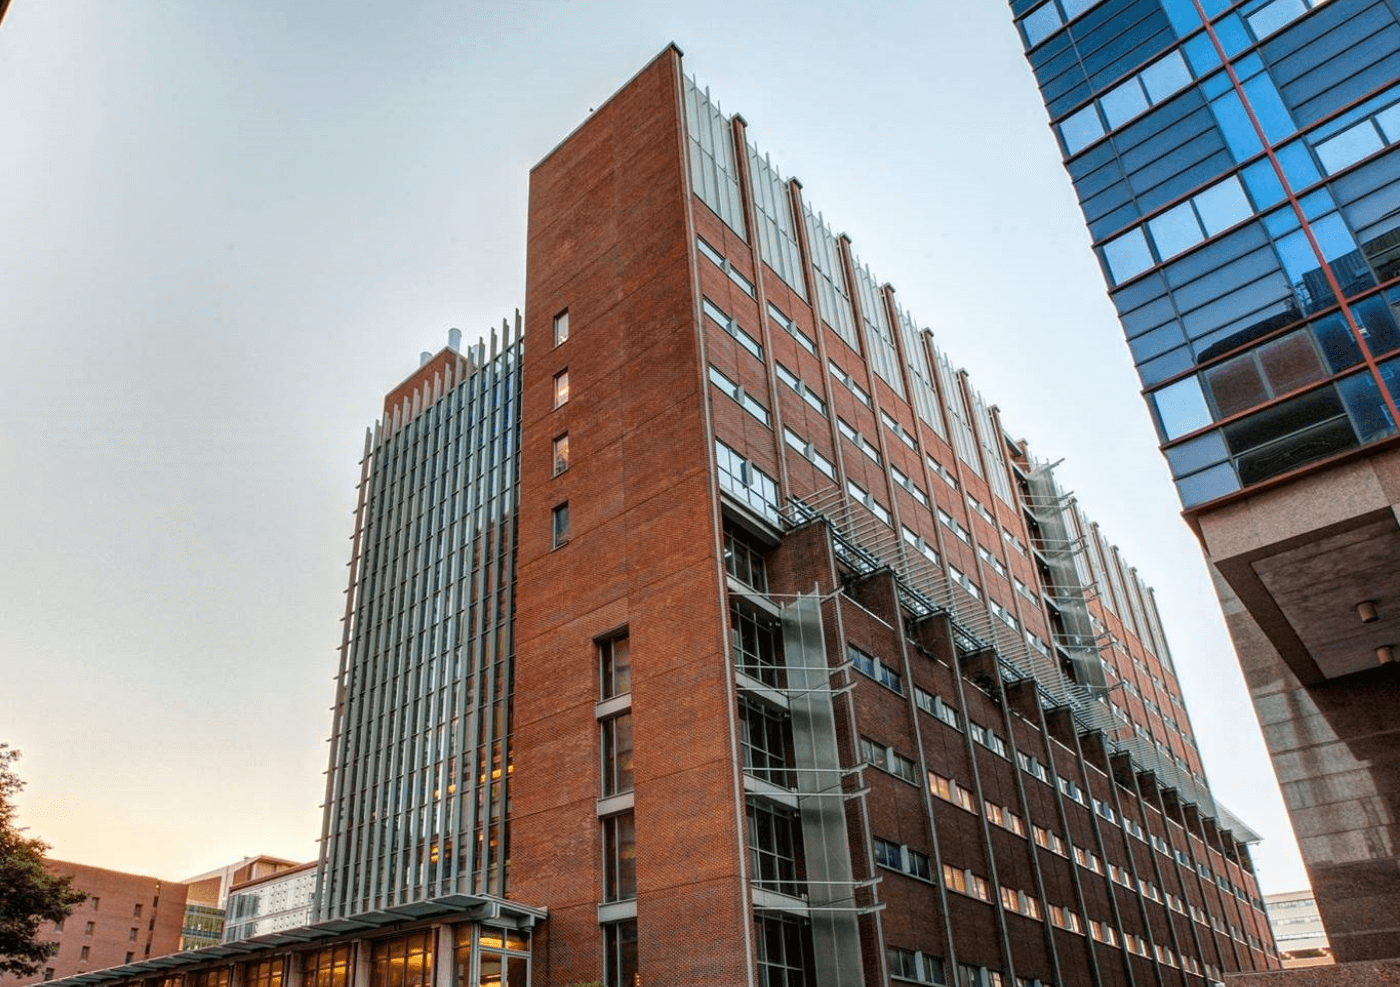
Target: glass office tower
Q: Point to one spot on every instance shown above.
(1237, 168)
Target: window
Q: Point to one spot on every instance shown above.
(617, 755)
(718, 259)
(792, 329)
(757, 644)
(746, 482)
(1066, 919)
(744, 399)
(87, 930)
(619, 858)
(129, 957)
(1020, 902)
(860, 496)
(1004, 817)
(899, 430)
(809, 452)
(561, 453)
(744, 561)
(1103, 932)
(58, 926)
(1088, 859)
(784, 951)
(404, 961)
(966, 882)
(887, 759)
(561, 327)
(217, 977)
(850, 383)
(620, 954)
(131, 936)
(326, 967)
(858, 440)
(262, 973)
(766, 740)
(561, 388)
(903, 859)
(1049, 841)
(951, 791)
(615, 664)
(921, 967)
(96, 901)
(560, 525)
(725, 322)
(48, 970)
(800, 388)
(83, 955)
(877, 670)
(136, 911)
(775, 848)
(935, 706)
(947, 520)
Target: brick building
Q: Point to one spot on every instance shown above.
(126, 918)
(1238, 168)
(708, 626)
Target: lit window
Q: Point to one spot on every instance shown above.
(560, 527)
(561, 453)
(561, 327)
(561, 388)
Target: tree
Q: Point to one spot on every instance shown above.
(29, 894)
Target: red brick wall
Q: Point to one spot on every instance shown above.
(610, 240)
(111, 910)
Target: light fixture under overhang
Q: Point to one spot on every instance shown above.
(1366, 610)
(1385, 654)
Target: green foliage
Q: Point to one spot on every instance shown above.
(29, 894)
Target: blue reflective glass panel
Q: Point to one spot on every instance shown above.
(1196, 453)
(1181, 408)
(1183, 15)
(1166, 77)
(1349, 147)
(1338, 345)
(1127, 255)
(1377, 323)
(1281, 221)
(1041, 23)
(1390, 373)
(1316, 204)
(1333, 237)
(1175, 230)
(1389, 122)
(1298, 165)
(1123, 103)
(1365, 406)
(1297, 255)
(1273, 116)
(1267, 19)
(1208, 484)
(1233, 37)
(1082, 129)
(1263, 183)
(1235, 124)
(1222, 206)
(1202, 54)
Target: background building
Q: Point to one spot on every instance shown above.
(126, 918)
(207, 901)
(1236, 167)
(271, 903)
(1298, 931)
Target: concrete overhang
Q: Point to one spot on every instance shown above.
(1303, 557)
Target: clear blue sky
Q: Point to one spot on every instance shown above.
(227, 229)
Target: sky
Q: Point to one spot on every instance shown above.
(226, 230)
